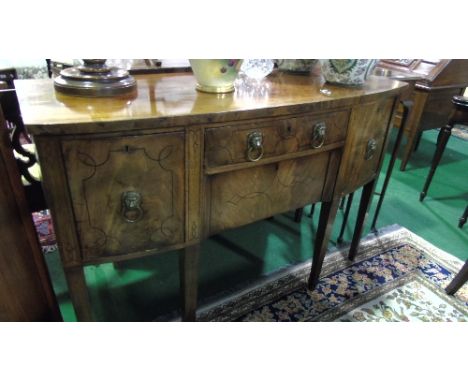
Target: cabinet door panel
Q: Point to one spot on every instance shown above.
(365, 143)
(127, 192)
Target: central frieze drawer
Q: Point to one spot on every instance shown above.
(127, 192)
(243, 196)
(230, 144)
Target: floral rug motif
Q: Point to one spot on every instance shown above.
(410, 302)
(45, 230)
(397, 276)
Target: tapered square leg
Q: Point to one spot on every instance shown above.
(345, 217)
(79, 293)
(366, 199)
(442, 140)
(407, 106)
(327, 217)
(460, 279)
(409, 148)
(188, 270)
(298, 215)
(463, 218)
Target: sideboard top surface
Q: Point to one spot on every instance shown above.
(168, 100)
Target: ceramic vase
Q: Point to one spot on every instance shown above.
(351, 72)
(216, 75)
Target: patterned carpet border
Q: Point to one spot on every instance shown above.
(285, 282)
(460, 131)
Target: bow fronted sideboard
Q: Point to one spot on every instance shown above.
(165, 167)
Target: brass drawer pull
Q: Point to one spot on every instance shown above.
(255, 146)
(370, 149)
(318, 135)
(131, 206)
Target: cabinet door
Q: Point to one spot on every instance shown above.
(127, 192)
(365, 143)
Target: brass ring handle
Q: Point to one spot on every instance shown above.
(131, 206)
(255, 146)
(370, 149)
(318, 135)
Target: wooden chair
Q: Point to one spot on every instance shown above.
(24, 150)
(26, 292)
(459, 116)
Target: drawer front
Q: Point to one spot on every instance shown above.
(233, 143)
(127, 192)
(364, 147)
(244, 196)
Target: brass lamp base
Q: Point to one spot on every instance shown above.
(94, 79)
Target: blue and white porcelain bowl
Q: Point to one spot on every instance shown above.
(351, 72)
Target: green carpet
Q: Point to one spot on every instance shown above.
(148, 289)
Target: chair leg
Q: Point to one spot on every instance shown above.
(188, 273)
(366, 199)
(408, 150)
(298, 215)
(443, 138)
(463, 218)
(327, 216)
(342, 202)
(407, 107)
(312, 209)
(459, 280)
(418, 140)
(345, 218)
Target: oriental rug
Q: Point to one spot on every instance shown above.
(397, 276)
(460, 131)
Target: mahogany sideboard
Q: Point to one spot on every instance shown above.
(166, 167)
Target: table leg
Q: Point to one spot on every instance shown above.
(312, 209)
(79, 293)
(418, 141)
(342, 203)
(463, 218)
(366, 199)
(345, 217)
(188, 270)
(409, 148)
(298, 215)
(327, 217)
(459, 280)
(407, 107)
(443, 138)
